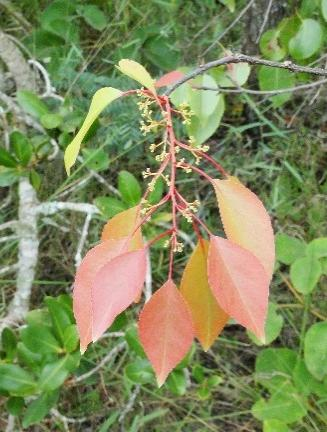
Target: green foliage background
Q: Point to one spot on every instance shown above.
(276, 145)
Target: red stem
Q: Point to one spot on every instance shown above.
(196, 169)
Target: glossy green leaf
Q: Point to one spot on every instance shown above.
(269, 45)
(273, 327)
(129, 187)
(137, 72)
(202, 129)
(27, 357)
(101, 99)
(276, 79)
(289, 249)
(305, 274)
(16, 380)
(31, 103)
(21, 146)
(307, 41)
(40, 340)
(315, 350)
(39, 408)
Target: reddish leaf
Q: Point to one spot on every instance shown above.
(239, 283)
(166, 329)
(82, 298)
(246, 221)
(123, 225)
(208, 317)
(116, 285)
(169, 78)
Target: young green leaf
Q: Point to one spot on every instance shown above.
(31, 103)
(109, 206)
(305, 274)
(54, 374)
(240, 284)
(203, 102)
(246, 221)
(208, 317)
(276, 79)
(166, 330)
(40, 339)
(93, 16)
(317, 248)
(289, 249)
(137, 72)
(6, 159)
(16, 380)
(100, 100)
(21, 146)
(39, 408)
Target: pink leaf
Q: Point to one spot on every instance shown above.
(82, 299)
(166, 329)
(239, 283)
(246, 221)
(115, 286)
(169, 78)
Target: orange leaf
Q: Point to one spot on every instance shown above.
(166, 330)
(82, 297)
(246, 221)
(169, 78)
(239, 283)
(115, 286)
(122, 225)
(208, 317)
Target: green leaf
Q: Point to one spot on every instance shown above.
(93, 16)
(274, 367)
(235, 74)
(39, 317)
(21, 146)
(140, 372)
(273, 327)
(51, 121)
(155, 196)
(324, 9)
(269, 45)
(96, 159)
(15, 405)
(9, 343)
(16, 380)
(305, 382)
(6, 159)
(8, 176)
(177, 382)
(308, 7)
(40, 340)
(71, 338)
(101, 99)
(59, 316)
(31, 103)
(201, 129)
(137, 72)
(39, 408)
(307, 41)
(315, 350)
(54, 374)
(129, 188)
(317, 248)
(305, 274)
(276, 79)
(35, 179)
(230, 4)
(285, 405)
(289, 249)
(275, 426)
(27, 357)
(109, 206)
(203, 102)
(133, 341)
(109, 422)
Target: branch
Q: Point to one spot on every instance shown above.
(50, 208)
(242, 58)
